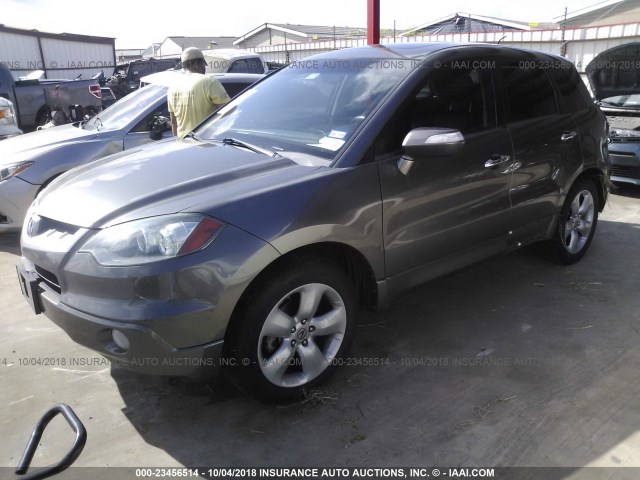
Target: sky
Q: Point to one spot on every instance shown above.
(137, 24)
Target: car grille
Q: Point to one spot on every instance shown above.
(49, 278)
(626, 172)
(44, 225)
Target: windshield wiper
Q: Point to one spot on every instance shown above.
(239, 143)
(192, 135)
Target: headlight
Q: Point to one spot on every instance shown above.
(6, 116)
(151, 239)
(623, 133)
(13, 169)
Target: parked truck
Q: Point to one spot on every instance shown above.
(231, 60)
(38, 101)
(126, 77)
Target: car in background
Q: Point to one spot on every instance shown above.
(126, 77)
(38, 100)
(333, 185)
(30, 162)
(613, 75)
(8, 121)
(233, 60)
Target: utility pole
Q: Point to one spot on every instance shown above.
(373, 22)
(563, 44)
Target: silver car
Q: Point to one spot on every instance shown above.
(337, 183)
(28, 163)
(8, 120)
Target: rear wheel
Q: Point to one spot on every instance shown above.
(291, 331)
(577, 223)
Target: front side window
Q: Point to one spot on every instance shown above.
(453, 97)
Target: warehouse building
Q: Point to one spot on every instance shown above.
(579, 37)
(58, 55)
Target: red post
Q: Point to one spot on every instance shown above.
(373, 22)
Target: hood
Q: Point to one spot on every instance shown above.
(614, 71)
(162, 178)
(29, 145)
(5, 103)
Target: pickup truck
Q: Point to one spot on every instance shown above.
(126, 77)
(36, 100)
(231, 60)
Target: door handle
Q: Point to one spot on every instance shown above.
(568, 136)
(496, 160)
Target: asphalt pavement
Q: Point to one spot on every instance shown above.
(514, 361)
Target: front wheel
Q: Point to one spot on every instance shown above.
(291, 331)
(577, 223)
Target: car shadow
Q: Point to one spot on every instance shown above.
(458, 371)
(10, 243)
(626, 190)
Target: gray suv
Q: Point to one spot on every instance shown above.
(333, 185)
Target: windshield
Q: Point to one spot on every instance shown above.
(127, 109)
(311, 107)
(627, 101)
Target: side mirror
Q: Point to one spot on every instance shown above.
(158, 125)
(432, 142)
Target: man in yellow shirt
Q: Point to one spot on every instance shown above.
(195, 95)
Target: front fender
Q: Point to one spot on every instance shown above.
(62, 158)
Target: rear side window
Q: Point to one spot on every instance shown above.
(162, 66)
(139, 70)
(529, 92)
(234, 89)
(239, 66)
(571, 88)
(246, 65)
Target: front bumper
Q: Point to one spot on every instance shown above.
(144, 350)
(164, 318)
(624, 158)
(8, 131)
(16, 196)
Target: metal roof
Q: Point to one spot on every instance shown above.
(460, 22)
(203, 43)
(59, 36)
(306, 31)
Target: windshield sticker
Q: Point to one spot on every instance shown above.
(337, 134)
(328, 143)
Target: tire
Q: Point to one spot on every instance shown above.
(577, 223)
(291, 330)
(42, 118)
(46, 184)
